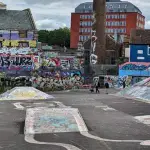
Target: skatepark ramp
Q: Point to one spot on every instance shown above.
(24, 93)
(140, 90)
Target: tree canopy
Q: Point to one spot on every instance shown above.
(60, 37)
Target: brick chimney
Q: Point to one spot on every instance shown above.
(99, 9)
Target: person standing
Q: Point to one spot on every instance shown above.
(106, 87)
(124, 84)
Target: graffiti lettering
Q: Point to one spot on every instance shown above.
(15, 50)
(131, 66)
(93, 57)
(7, 61)
(64, 63)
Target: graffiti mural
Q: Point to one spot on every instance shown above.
(63, 63)
(51, 83)
(135, 66)
(51, 54)
(17, 50)
(17, 62)
(93, 57)
(135, 69)
(51, 62)
(117, 81)
(66, 63)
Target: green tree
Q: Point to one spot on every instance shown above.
(43, 36)
(60, 37)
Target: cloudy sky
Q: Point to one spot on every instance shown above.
(51, 14)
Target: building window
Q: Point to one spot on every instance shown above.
(85, 16)
(85, 23)
(125, 23)
(125, 16)
(23, 44)
(116, 17)
(89, 30)
(84, 38)
(124, 30)
(109, 24)
(81, 30)
(80, 23)
(23, 34)
(80, 38)
(88, 23)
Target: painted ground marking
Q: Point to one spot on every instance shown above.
(143, 119)
(30, 139)
(33, 115)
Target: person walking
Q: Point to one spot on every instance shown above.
(97, 87)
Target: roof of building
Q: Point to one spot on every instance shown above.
(111, 6)
(16, 20)
(2, 4)
(140, 36)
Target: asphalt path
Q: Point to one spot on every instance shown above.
(110, 121)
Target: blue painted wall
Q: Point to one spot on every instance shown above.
(144, 73)
(139, 53)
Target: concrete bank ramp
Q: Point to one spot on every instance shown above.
(53, 120)
(140, 90)
(24, 93)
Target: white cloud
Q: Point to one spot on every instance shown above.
(49, 24)
(147, 25)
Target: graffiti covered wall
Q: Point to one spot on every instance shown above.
(17, 50)
(63, 63)
(43, 83)
(17, 62)
(134, 69)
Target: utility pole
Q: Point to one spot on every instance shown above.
(99, 9)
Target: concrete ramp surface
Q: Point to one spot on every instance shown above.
(24, 93)
(57, 120)
(140, 90)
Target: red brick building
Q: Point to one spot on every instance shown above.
(121, 17)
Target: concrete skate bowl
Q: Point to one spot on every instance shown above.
(25, 93)
(140, 90)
